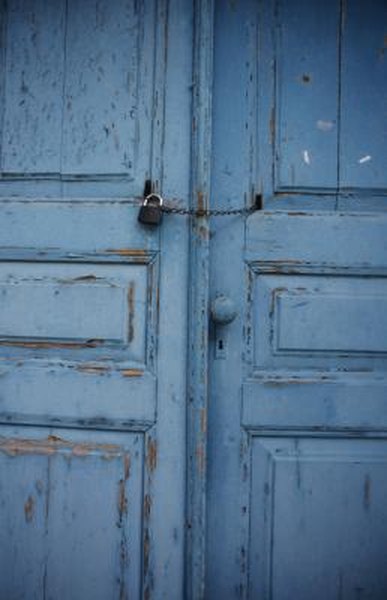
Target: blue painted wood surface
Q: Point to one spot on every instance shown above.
(271, 484)
(297, 423)
(92, 377)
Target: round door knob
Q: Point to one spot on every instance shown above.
(223, 310)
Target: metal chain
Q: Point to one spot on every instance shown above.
(210, 212)
(198, 212)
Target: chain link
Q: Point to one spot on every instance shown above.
(197, 212)
(211, 212)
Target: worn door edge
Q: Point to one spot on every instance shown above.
(197, 374)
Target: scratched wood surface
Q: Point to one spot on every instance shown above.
(321, 139)
(298, 414)
(285, 481)
(92, 379)
(58, 55)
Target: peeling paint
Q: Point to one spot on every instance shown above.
(122, 508)
(147, 506)
(29, 509)
(53, 444)
(122, 500)
(201, 202)
(127, 463)
(81, 279)
(152, 455)
(132, 372)
(364, 159)
(92, 369)
(131, 314)
(93, 343)
(127, 252)
(146, 550)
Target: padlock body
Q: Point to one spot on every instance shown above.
(150, 214)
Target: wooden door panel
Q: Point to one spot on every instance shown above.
(67, 304)
(363, 143)
(286, 331)
(286, 240)
(306, 95)
(83, 329)
(73, 502)
(325, 500)
(321, 101)
(76, 229)
(315, 402)
(55, 126)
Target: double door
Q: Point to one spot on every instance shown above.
(147, 450)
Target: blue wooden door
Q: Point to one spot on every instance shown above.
(95, 99)
(92, 378)
(297, 486)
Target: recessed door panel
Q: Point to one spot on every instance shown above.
(69, 496)
(315, 504)
(76, 72)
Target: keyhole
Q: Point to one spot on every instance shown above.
(220, 347)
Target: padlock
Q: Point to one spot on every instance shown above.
(151, 210)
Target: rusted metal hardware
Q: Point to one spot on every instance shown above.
(153, 206)
(194, 212)
(215, 212)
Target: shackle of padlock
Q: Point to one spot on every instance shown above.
(151, 210)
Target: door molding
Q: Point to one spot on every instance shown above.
(197, 383)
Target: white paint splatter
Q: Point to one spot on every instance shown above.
(306, 156)
(364, 159)
(325, 125)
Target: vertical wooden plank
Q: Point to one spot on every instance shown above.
(23, 489)
(110, 533)
(199, 302)
(235, 121)
(307, 94)
(262, 91)
(33, 87)
(101, 61)
(363, 147)
(164, 505)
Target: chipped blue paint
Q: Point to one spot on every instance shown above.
(92, 406)
(297, 446)
(251, 470)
